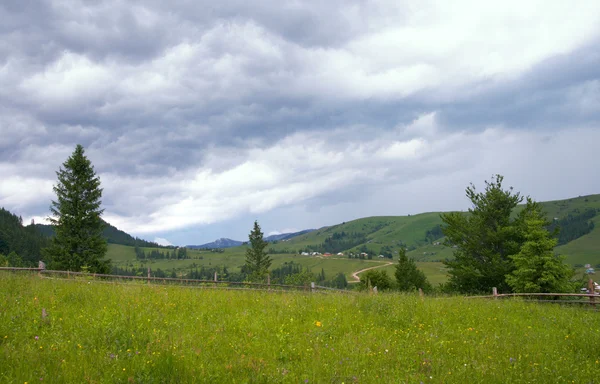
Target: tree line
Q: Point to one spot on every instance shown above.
(156, 254)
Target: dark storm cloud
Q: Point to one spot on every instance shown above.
(200, 111)
(548, 96)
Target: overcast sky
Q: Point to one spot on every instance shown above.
(202, 116)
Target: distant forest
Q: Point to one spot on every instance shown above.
(575, 225)
(112, 236)
(338, 242)
(22, 245)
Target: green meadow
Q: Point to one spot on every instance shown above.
(80, 331)
(234, 258)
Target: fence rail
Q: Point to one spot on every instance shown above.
(214, 283)
(593, 297)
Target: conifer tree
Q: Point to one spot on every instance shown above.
(408, 276)
(485, 239)
(537, 268)
(258, 261)
(76, 216)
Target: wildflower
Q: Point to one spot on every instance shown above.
(318, 323)
(37, 337)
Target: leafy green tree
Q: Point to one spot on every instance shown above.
(76, 213)
(15, 260)
(408, 276)
(375, 278)
(300, 278)
(258, 261)
(3, 260)
(537, 269)
(485, 239)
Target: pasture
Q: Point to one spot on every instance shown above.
(88, 331)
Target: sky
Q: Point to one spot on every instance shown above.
(200, 116)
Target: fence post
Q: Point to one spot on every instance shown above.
(592, 290)
(215, 276)
(312, 286)
(148, 275)
(421, 293)
(495, 292)
(269, 281)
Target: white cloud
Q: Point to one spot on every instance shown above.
(283, 231)
(161, 241)
(289, 173)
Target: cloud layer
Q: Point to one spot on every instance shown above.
(200, 114)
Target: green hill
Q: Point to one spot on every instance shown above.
(112, 234)
(386, 234)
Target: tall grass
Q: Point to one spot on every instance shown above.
(107, 333)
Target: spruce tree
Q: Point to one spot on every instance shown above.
(485, 239)
(258, 261)
(408, 276)
(76, 216)
(537, 268)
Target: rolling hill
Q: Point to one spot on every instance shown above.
(112, 234)
(383, 235)
(386, 234)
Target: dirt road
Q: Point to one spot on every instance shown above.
(355, 274)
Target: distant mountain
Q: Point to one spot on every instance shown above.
(112, 234)
(219, 243)
(287, 236)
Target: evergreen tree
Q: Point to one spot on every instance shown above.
(258, 261)
(485, 239)
(408, 276)
(537, 269)
(76, 218)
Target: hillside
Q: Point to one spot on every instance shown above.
(420, 234)
(24, 241)
(229, 243)
(219, 243)
(112, 234)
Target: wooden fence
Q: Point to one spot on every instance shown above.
(592, 298)
(149, 279)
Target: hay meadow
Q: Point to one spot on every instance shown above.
(81, 331)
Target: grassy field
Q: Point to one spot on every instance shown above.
(107, 333)
(234, 258)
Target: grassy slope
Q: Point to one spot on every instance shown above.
(380, 231)
(107, 333)
(388, 230)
